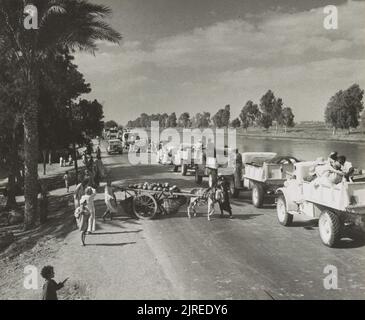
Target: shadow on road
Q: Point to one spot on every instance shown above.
(308, 225)
(110, 244)
(110, 233)
(243, 216)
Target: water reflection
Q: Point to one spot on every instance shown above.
(305, 149)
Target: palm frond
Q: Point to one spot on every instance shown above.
(78, 25)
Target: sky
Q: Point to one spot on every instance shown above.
(200, 55)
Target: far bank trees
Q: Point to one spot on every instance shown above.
(271, 111)
(344, 109)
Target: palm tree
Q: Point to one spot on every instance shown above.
(62, 25)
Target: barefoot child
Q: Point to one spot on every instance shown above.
(82, 215)
(110, 201)
(50, 287)
(66, 178)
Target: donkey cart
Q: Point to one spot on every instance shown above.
(147, 204)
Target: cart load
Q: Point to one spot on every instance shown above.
(146, 200)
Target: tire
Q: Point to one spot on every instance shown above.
(184, 169)
(284, 218)
(198, 178)
(358, 236)
(329, 226)
(258, 195)
(176, 168)
(234, 191)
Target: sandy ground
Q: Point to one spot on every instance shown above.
(249, 257)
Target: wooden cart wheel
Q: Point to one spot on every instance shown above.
(144, 206)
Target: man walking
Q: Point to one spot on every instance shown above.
(79, 192)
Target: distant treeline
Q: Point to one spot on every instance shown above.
(270, 111)
(343, 111)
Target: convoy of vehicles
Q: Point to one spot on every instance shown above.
(340, 209)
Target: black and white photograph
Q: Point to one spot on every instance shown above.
(182, 150)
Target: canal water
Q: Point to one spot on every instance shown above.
(304, 149)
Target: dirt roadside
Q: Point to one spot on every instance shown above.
(117, 262)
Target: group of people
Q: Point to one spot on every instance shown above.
(94, 171)
(66, 163)
(333, 171)
(85, 213)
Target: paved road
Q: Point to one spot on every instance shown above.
(249, 257)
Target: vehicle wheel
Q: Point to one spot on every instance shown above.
(329, 228)
(176, 168)
(257, 195)
(198, 178)
(285, 218)
(144, 206)
(234, 191)
(184, 169)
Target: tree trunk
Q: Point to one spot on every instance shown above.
(30, 119)
(76, 164)
(12, 164)
(11, 191)
(334, 131)
(44, 153)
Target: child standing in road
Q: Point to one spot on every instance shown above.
(82, 215)
(66, 178)
(110, 201)
(50, 287)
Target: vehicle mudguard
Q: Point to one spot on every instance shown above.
(290, 204)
